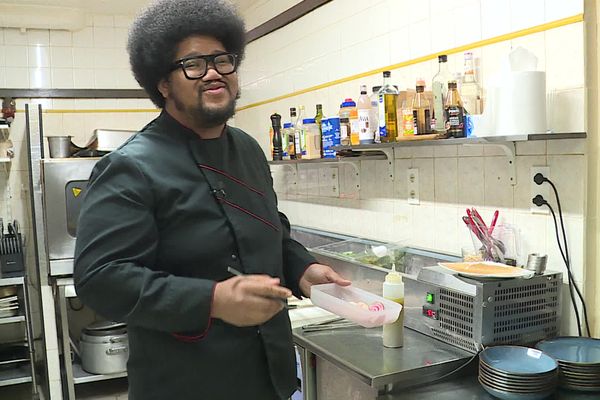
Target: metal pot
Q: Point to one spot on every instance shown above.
(60, 146)
(104, 348)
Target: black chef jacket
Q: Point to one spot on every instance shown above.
(163, 218)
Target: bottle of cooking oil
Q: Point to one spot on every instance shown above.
(421, 110)
(388, 114)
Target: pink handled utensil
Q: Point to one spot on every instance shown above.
(493, 224)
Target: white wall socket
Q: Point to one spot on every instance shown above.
(543, 189)
(412, 185)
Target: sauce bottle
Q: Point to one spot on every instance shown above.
(393, 289)
(277, 142)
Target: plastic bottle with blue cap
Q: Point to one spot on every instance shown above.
(393, 289)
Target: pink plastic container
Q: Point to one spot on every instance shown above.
(339, 300)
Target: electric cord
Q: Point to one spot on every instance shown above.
(568, 259)
(569, 273)
(539, 201)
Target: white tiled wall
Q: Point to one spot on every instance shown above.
(344, 38)
(92, 58)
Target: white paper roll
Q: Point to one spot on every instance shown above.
(521, 107)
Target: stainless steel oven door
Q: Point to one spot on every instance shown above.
(64, 184)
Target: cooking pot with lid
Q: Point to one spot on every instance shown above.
(104, 348)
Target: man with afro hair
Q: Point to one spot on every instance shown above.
(169, 214)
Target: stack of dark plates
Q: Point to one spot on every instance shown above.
(578, 359)
(517, 373)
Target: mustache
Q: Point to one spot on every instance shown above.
(214, 83)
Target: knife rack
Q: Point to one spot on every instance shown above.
(11, 255)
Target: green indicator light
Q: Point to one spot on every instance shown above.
(429, 297)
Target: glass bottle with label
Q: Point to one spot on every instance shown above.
(470, 91)
(318, 119)
(421, 111)
(374, 116)
(365, 134)
(299, 134)
(454, 112)
(388, 113)
(346, 114)
(439, 86)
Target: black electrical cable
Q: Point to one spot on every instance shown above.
(568, 260)
(569, 274)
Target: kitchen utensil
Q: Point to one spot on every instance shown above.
(536, 263)
(487, 269)
(104, 348)
(60, 146)
(235, 272)
(344, 301)
(494, 220)
(337, 323)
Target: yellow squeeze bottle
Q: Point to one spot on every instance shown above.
(393, 289)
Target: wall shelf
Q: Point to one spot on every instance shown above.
(385, 151)
(15, 376)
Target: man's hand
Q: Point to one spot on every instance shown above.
(248, 300)
(318, 273)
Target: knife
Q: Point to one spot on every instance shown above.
(235, 272)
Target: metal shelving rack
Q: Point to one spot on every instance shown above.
(23, 373)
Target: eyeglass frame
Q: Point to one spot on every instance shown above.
(209, 59)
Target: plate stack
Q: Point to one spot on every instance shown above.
(9, 302)
(517, 373)
(578, 359)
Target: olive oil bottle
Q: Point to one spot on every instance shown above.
(388, 114)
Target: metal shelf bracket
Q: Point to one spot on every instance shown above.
(510, 151)
(389, 155)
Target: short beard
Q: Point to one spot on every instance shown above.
(207, 117)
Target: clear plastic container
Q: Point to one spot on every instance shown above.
(346, 301)
(367, 252)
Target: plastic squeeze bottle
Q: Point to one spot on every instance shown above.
(393, 289)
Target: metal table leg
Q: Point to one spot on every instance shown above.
(29, 330)
(66, 346)
(309, 374)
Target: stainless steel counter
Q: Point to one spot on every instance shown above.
(360, 353)
(467, 388)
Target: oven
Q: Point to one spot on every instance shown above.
(64, 183)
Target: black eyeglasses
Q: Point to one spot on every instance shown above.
(196, 67)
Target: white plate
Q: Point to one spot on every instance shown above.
(478, 270)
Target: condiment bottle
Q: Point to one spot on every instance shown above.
(393, 289)
(388, 113)
(454, 112)
(345, 128)
(277, 142)
(365, 132)
(421, 111)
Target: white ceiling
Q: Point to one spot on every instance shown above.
(115, 7)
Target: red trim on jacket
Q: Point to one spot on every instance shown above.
(250, 213)
(233, 178)
(196, 338)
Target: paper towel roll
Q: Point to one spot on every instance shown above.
(522, 104)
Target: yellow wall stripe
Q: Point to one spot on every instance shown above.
(497, 39)
(103, 110)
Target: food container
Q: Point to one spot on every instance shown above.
(60, 146)
(104, 348)
(367, 252)
(346, 302)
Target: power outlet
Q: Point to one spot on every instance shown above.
(412, 185)
(543, 189)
